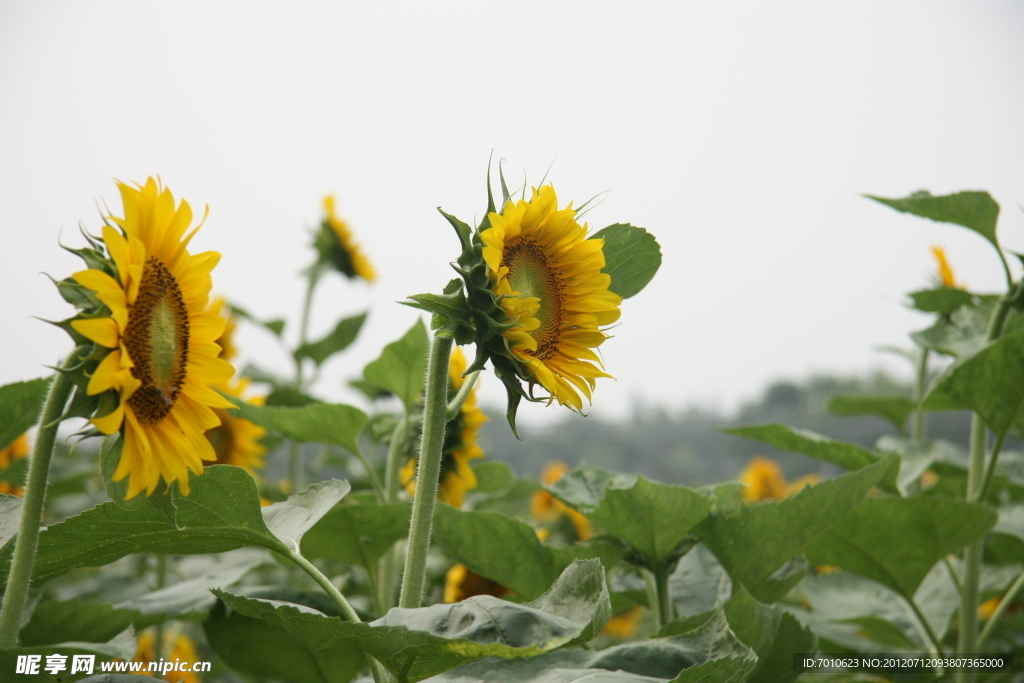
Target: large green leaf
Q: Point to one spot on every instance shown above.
(120, 647)
(699, 582)
(754, 542)
(401, 366)
(294, 516)
(974, 210)
(847, 455)
(991, 383)
(960, 334)
(20, 405)
(631, 256)
(339, 339)
(222, 513)
(896, 541)
(650, 517)
(357, 533)
(415, 644)
(254, 647)
(327, 423)
(895, 409)
(942, 300)
(772, 633)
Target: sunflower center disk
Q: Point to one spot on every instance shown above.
(530, 274)
(156, 338)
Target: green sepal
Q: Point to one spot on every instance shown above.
(464, 232)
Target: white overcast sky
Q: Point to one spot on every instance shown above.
(741, 134)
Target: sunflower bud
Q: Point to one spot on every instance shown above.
(337, 249)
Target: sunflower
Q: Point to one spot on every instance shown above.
(460, 446)
(548, 275)
(337, 248)
(763, 480)
(546, 508)
(461, 582)
(625, 624)
(163, 354)
(16, 451)
(945, 271)
(177, 646)
(225, 341)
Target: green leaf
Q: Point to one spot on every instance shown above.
(959, 335)
(754, 542)
(631, 256)
(974, 210)
(288, 397)
(991, 383)
(415, 644)
(256, 648)
(20, 405)
(896, 541)
(650, 517)
(772, 633)
(343, 335)
(357, 533)
(276, 326)
(10, 518)
(330, 423)
(847, 455)
(401, 366)
(222, 513)
(943, 300)
(120, 647)
(699, 583)
(294, 516)
(492, 475)
(895, 409)
(16, 473)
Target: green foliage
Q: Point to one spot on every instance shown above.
(121, 646)
(895, 409)
(327, 423)
(414, 644)
(942, 300)
(772, 633)
(357, 533)
(974, 210)
(401, 366)
(990, 382)
(754, 542)
(896, 541)
(631, 255)
(20, 405)
(339, 339)
(275, 327)
(651, 518)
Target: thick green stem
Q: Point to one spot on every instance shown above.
(428, 470)
(379, 673)
(1008, 599)
(919, 387)
(32, 507)
(664, 597)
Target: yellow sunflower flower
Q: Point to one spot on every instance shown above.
(624, 625)
(945, 271)
(16, 451)
(460, 444)
(549, 277)
(177, 646)
(338, 248)
(763, 480)
(225, 341)
(163, 353)
(236, 441)
(546, 508)
(461, 582)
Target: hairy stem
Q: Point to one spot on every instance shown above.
(428, 469)
(664, 597)
(32, 507)
(389, 562)
(919, 387)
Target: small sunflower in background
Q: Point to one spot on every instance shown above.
(338, 249)
(625, 624)
(461, 582)
(236, 441)
(176, 646)
(546, 508)
(944, 270)
(18, 450)
(143, 306)
(460, 443)
(763, 480)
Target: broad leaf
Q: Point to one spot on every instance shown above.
(896, 541)
(293, 517)
(650, 517)
(492, 475)
(699, 583)
(895, 409)
(10, 518)
(631, 256)
(772, 633)
(754, 542)
(991, 383)
(974, 210)
(847, 455)
(401, 366)
(339, 339)
(943, 300)
(357, 533)
(329, 423)
(960, 335)
(20, 405)
(415, 644)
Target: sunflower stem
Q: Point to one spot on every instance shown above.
(32, 506)
(389, 562)
(435, 412)
(460, 398)
(347, 611)
(664, 597)
(919, 390)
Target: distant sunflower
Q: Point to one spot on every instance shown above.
(461, 582)
(338, 248)
(763, 480)
(16, 451)
(945, 271)
(460, 445)
(546, 508)
(625, 624)
(176, 646)
(236, 441)
(164, 355)
(549, 275)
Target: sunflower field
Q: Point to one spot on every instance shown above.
(159, 540)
